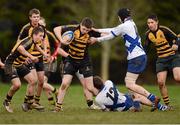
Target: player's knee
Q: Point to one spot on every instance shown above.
(32, 82)
(40, 83)
(161, 83)
(129, 82)
(177, 78)
(16, 86)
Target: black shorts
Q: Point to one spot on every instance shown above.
(71, 66)
(167, 63)
(39, 66)
(15, 72)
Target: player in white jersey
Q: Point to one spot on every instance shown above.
(110, 99)
(136, 56)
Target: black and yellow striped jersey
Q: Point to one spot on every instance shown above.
(77, 49)
(15, 58)
(162, 38)
(27, 31)
(50, 40)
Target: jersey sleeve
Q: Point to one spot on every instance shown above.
(68, 28)
(169, 34)
(146, 43)
(116, 31)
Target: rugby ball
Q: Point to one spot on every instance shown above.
(67, 37)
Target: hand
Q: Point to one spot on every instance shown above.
(2, 65)
(65, 41)
(174, 47)
(52, 58)
(28, 61)
(92, 40)
(34, 59)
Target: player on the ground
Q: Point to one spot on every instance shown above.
(110, 99)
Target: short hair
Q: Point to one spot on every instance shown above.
(34, 11)
(153, 17)
(73, 22)
(37, 30)
(98, 82)
(87, 22)
(124, 13)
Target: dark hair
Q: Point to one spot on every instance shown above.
(34, 11)
(37, 30)
(123, 13)
(73, 22)
(98, 82)
(87, 22)
(153, 17)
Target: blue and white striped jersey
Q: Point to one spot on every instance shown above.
(109, 97)
(129, 33)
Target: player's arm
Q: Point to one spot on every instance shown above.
(56, 43)
(171, 37)
(41, 50)
(146, 44)
(22, 50)
(99, 103)
(1, 64)
(60, 29)
(113, 32)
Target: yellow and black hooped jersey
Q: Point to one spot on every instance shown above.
(79, 45)
(49, 41)
(27, 31)
(162, 38)
(15, 58)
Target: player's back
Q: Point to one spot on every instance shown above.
(106, 97)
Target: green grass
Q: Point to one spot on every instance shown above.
(75, 110)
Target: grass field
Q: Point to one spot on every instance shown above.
(75, 110)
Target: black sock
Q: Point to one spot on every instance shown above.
(8, 98)
(37, 98)
(54, 90)
(89, 102)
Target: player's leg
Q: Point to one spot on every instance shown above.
(87, 94)
(135, 67)
(176, 74)
(40, 76)
(39, 66)
(143, 100)
(161, 79)
(68, 72)
(49, 90)
(16, 84)
(66, 81)
(11, 72)
(176, 68)
(161, 70)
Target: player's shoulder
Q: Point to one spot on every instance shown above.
(26, 26)
(147, 32)
(164, 27)
(108, 83)
(70, 26)
(166, 30)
